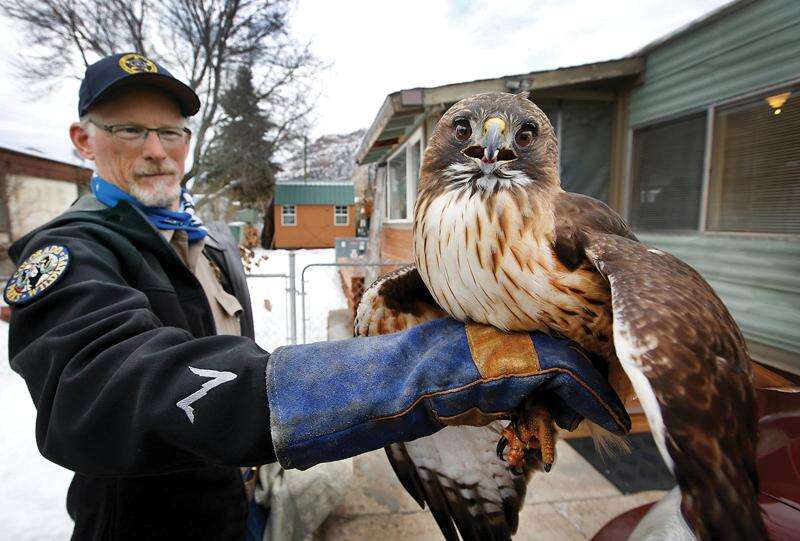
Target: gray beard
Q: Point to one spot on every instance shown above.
(161, 195)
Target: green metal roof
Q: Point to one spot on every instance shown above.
(314, 193)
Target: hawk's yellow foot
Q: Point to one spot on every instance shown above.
(531, 435)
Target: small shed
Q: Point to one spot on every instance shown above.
(313, 214)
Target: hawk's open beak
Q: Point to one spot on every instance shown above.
(493, 131)
(491, 148)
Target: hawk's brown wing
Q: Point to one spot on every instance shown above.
(687, 361)
(395, 301)
(455, 472)
(689, 366)
(466, 487)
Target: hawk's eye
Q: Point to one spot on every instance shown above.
(525, 135)
(462, 128)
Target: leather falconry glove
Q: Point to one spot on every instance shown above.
(333, 400)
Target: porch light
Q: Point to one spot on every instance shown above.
(777, 101)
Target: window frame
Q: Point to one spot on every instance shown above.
(285, 214)
(629, 180)
(713, 150)
(709, 110)
(346, 215)
(411, 187)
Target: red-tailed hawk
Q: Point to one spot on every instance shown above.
(497, 241)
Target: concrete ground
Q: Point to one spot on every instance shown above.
(573, 501)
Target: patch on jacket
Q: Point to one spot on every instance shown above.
(37, 274)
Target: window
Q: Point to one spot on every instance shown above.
(340, 215)
(585, 147)
(288, 215)
(402, 176)
(397, 194)
(755, 172)
(667, 174)
(414, 162)
(584, 132)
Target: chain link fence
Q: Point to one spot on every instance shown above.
(313, 310)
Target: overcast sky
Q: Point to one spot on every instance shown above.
(378, 47)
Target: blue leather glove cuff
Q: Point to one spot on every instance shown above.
(332, 400)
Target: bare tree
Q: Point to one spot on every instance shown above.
(65, 36)
(202, 41)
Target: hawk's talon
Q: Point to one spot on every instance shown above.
(515, 424)
(529, 439)
(501, 447)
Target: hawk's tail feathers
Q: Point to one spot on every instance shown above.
(607, 443)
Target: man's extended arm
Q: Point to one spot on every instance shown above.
(116, 391)
(119, 393)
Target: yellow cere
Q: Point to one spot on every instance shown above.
(501, 124)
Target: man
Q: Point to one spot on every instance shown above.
(131, 325)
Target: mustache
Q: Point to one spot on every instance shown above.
(155, 171)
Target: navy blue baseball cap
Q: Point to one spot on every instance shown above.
(126, 69)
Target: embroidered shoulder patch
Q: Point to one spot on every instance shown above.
(37, 274)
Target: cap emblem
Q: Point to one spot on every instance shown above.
(136, 63)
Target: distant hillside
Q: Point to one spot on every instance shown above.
(330, 157)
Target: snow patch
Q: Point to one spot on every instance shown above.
(323, 294)
(33, 491)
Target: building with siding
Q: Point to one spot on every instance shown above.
(695, 140)
(34, 189)
(313, 214)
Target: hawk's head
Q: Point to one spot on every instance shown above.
(492, 140)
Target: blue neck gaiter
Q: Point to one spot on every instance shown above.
(185, 218)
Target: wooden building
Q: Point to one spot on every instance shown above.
(694, 139)
(313, 214)
(33, 190)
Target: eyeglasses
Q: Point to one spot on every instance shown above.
(134, 132)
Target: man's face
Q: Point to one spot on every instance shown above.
(149, 169)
